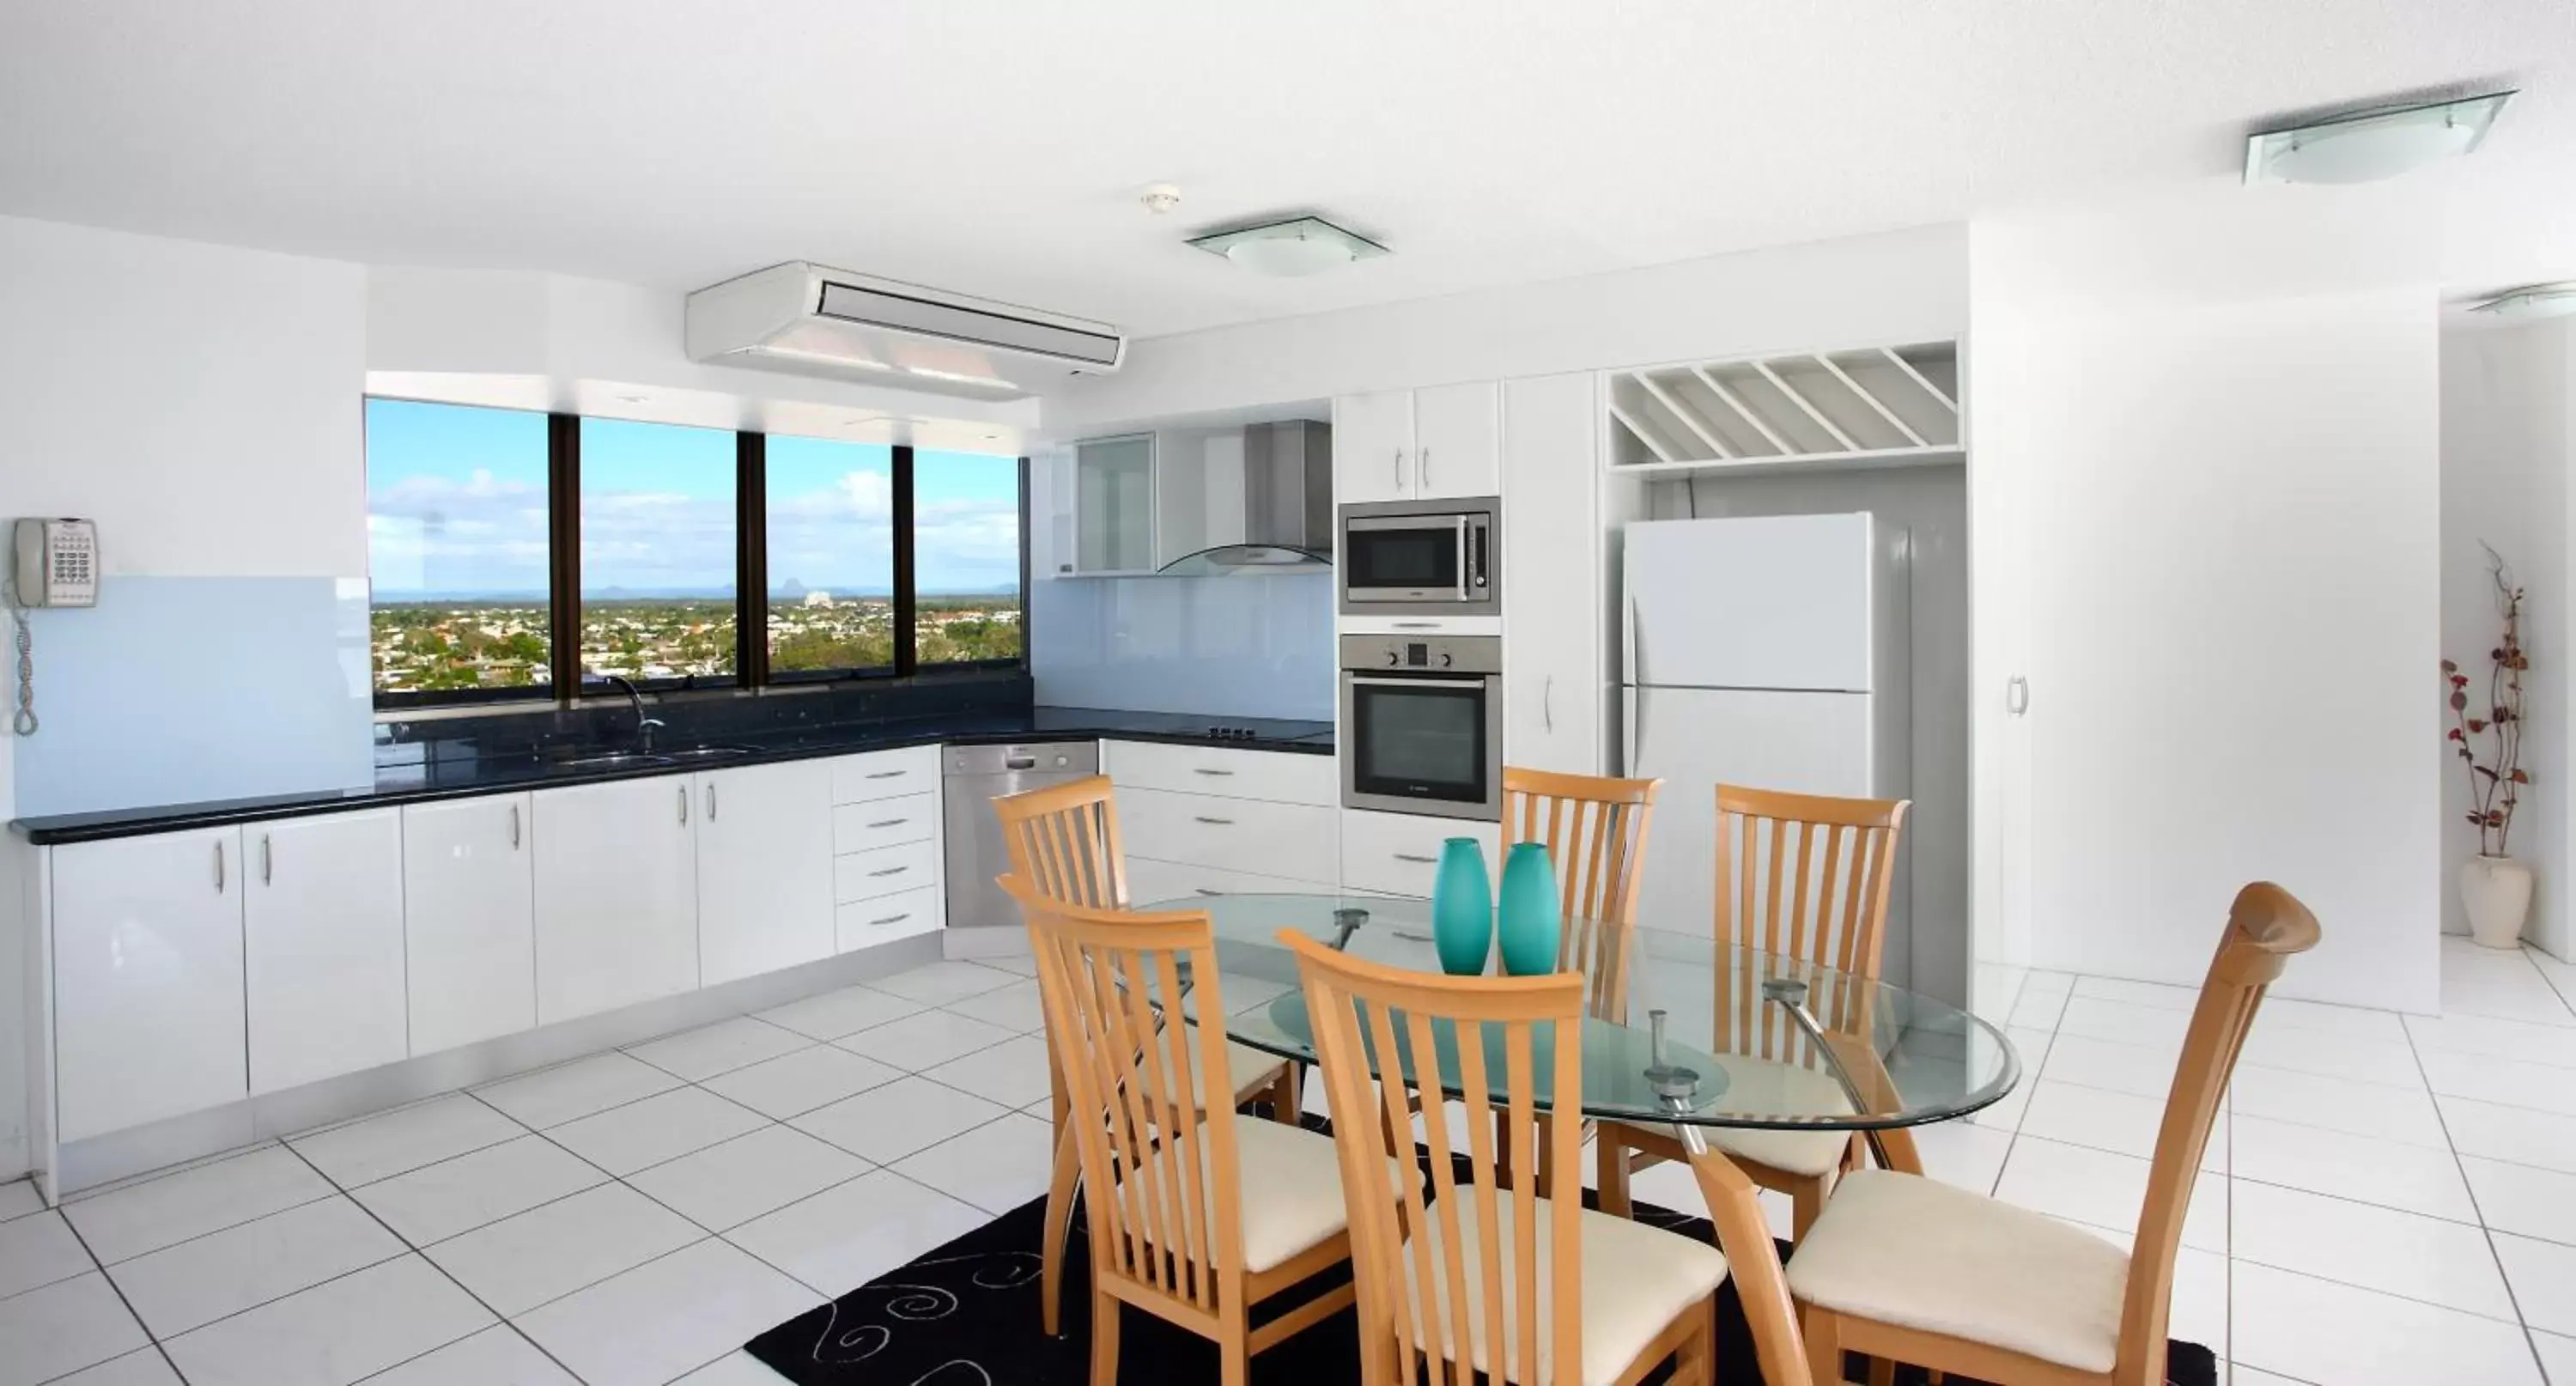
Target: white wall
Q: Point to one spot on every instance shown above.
(2506, 441)
(1902, 286)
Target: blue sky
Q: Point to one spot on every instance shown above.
(456, 502)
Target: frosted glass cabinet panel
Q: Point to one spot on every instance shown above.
(1113, 505)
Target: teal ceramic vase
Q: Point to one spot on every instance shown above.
(1462, 909)
(1529, 916)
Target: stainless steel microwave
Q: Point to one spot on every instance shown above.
(1422, 558)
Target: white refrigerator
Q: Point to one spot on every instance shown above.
(1768, 652)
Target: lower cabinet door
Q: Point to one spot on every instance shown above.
(1399, 853)
(469, 920)
(764, 868)
(322, 936)
(148, 1015)
(616, 893)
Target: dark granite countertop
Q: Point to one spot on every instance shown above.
(464, 777)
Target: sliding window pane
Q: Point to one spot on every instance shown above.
(966, 557)
(831, 555)
(456, 547)
(657, 551)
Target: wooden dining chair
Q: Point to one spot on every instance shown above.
(1594, 828)
(1464, 1272)
(1903, 1267)
(1063, 840)
(1195, 1217)
(1801, 876)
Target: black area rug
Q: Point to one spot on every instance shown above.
(967, 1315)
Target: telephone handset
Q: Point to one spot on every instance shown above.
(55, 564)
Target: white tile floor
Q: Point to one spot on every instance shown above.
(2391, 1200)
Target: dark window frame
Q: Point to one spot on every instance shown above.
(751, 591)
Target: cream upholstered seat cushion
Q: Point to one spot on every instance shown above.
(1811, 1153)
(1635, 1281)
(1290, 1180)
(1247, 1067)
(1909, 1251)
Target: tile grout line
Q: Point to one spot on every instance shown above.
(411, 1249)
(2522, 1320)
(150, 1338)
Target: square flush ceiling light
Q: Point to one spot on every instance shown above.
(1304, 245)
(2366, 146)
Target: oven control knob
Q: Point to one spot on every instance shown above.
(1394, 657)
(1447, 659)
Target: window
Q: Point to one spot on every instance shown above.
(830, 556)
(457, 545)
(516, 554)
(657, 551)
(966, 558)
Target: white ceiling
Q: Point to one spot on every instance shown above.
(998, 147)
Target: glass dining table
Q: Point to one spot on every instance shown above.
(1681, 1032)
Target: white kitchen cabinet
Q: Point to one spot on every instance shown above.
(1436, 443)
(1113, 505)
(1399, 853)
(469, 920)
(1230, 834)
(885, 774)
(147, 960)
(616, 895)
(1553, 671)
(322, 946)
(1458, 440)
(1373, 447)
(885, 918)
(1281, 777)
(764, 839)
(1152, 882)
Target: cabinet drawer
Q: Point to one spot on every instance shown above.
(885, 774)
(1398, 853)
(1151, 882)
(1284, 777)
(860, 923)
(885, 823)
(1294, 840)
(866, 875)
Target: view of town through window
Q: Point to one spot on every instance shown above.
(458, 535)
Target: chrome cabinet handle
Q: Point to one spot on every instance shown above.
(1203, 770)
(267, 860)
(889, 822)
(1203, 890)
(1417, 625)
(1399, 471)
(514, 827)
(1408, 856)
(1421, 471)
(890, 919)
(2017, 695)
(1547, 702)
(219, 866)
(711, 801)
(891, 871)
(684, 806)
(887, 774)
(1219, 822)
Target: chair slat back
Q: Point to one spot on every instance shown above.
(1164, 1199)
(2265, 926)
(1594, 827)
(1481, 1303)
(1063, 840)
(1804, 876)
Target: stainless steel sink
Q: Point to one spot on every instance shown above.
(615, 760)
(708, 753)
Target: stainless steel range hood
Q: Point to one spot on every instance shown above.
(1287, 506)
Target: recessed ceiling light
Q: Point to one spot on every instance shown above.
(2532, 301)
(2366, 146)
(1300, 246)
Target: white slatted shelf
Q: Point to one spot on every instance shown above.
(1843, 407)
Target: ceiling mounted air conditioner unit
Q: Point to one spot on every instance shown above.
(807, 319)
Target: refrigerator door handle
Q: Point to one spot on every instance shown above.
(1630, 729)
(2017, 695)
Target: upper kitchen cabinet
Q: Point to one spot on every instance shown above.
(1436, 443)
(764, 868)
(1553, 674)
(147, 979)
(322, 934)
(1113, 505)
(616, 895)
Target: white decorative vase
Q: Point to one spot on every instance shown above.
(2495, 892)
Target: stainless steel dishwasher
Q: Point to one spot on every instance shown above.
(973, 778)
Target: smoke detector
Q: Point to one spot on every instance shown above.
(1161, 198)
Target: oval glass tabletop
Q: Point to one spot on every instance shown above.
(1679, 1028)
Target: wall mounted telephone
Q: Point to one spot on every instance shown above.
(54, 563)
